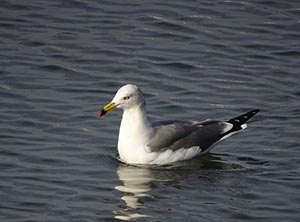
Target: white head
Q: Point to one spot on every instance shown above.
(127, 96)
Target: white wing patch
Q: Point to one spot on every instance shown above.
(227, 128)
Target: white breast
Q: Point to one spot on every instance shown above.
(135, 131)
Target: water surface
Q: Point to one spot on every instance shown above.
(61, 61)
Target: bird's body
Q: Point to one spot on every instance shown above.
(143, 142)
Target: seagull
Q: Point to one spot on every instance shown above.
(164, 142)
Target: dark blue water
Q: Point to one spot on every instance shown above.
(61, 61)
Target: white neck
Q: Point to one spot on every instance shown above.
(134, 122)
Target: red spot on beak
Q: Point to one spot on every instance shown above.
(102, 113)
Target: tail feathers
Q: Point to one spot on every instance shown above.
(240, 121)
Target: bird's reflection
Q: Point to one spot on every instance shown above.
(138, 182)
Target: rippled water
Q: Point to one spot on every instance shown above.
(62, 60)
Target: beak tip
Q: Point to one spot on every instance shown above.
(100, 114)
(110, 106)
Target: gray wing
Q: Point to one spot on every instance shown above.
(176, 135)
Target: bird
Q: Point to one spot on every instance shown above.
(165, 142)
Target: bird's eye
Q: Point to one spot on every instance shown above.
(126, 97)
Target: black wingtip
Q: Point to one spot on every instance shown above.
(240, 120)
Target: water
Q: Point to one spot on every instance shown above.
(61, 61)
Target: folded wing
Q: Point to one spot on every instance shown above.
(184, 134)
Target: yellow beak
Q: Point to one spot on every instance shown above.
(107, 108)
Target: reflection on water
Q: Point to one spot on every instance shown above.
(138, 181)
